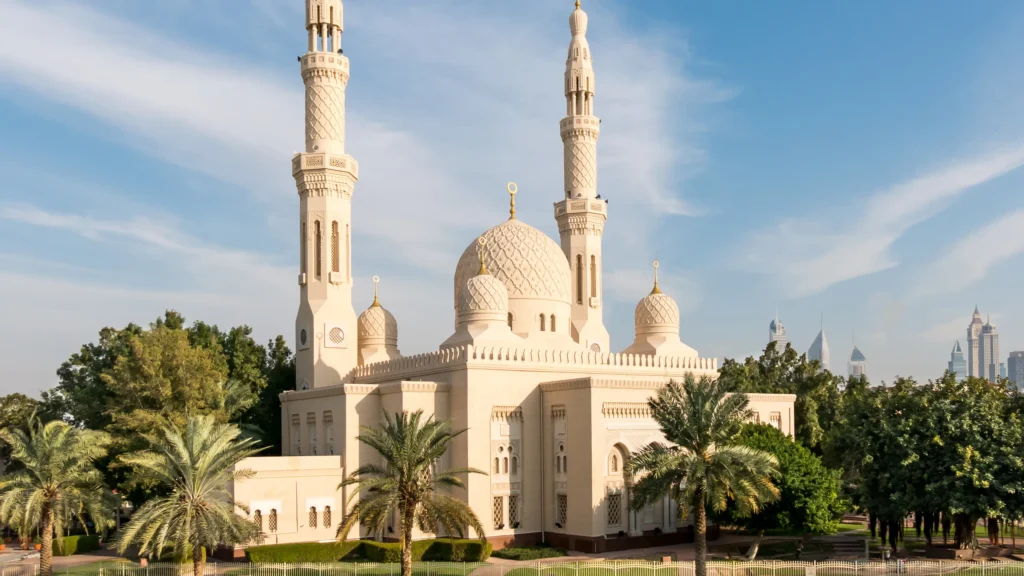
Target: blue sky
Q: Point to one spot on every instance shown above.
(857, 161)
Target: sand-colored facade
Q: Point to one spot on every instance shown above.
(550, 412)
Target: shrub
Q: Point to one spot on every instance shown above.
(305, 552)
(80, 544)
(453, 550)
(530, 553)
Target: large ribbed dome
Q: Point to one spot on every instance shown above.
(657, 310)
(528, 263)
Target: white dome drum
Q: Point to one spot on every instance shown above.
(657, 312)
(376, 323)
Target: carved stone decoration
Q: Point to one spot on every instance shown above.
(325, 113)
(581, 164)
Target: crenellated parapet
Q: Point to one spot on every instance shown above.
(534, 359)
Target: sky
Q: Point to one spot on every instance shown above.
(849, 165)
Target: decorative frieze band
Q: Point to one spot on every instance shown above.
(625, 410)
(506, 413)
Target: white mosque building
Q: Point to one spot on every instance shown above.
(551, 411)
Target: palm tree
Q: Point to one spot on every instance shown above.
(408, 483)
(193, 466)
(700, 467)
(57, 481)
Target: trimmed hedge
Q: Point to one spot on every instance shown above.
(304, 552)
(168, 556)
(80, 544)
(440, 550)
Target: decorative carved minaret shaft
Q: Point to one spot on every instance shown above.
(582, 213)
(325, 328)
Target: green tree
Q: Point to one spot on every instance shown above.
(818, 396)
(16, 411)
(194, 466)
(409, 483)
(57, 480)
(809, 499)
(702, 467)
(279, 369)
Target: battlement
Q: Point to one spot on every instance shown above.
(513, 358)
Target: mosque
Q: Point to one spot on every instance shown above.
(551, 411)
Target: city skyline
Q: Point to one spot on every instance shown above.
(838, 160)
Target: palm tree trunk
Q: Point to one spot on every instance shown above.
(46, 551)
(700, 536)
(197, 561)
(407, 525)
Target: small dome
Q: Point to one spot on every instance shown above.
(483, 293)
(377, 323)
(529, 263)
(578, 21)
(657, 312)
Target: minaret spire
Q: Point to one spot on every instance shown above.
(325, 176)
(581, 213)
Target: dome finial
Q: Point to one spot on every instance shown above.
(512, 189)
(481, 242)
(376, 302)
(577, 4)
(656, 290)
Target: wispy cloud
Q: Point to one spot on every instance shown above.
(971, 259)
(806, 256)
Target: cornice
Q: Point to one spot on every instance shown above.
(412, 386)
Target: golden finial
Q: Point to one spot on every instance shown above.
(512, 189)
(577, 4)
(481, 242)
(656, 290)
(376, 303)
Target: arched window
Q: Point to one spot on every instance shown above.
(257, 519)
(552, 322)
(497, 467)
(615, 463)
(509, 320)
(593, 276)
(558, 464)
(565, 464)
(579, 279)
(541, 322)
(504, 465)
(272, 522)
(312, 517)
(327, 516)
(318, 249)
(335, 253)
(348, 253)
(515, 465)
(303, 248)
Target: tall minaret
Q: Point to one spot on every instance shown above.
(582, 213)
(325, 329)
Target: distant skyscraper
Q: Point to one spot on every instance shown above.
(1015, 368)
(858, 363)
(957, 364)
(819, 349)
(988, 352)
(973, 338)
(777, 334)
(1002, 369)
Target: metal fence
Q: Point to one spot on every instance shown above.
(548, 568)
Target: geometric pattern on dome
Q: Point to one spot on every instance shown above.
(530, 264)
(657, 309)
(377, 322)
(483, 293)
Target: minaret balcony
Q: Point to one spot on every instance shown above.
(579, 123)
(322, 161)
(311, 60)
(572, 206)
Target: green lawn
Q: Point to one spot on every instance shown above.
(353, 568)
(852, 527)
